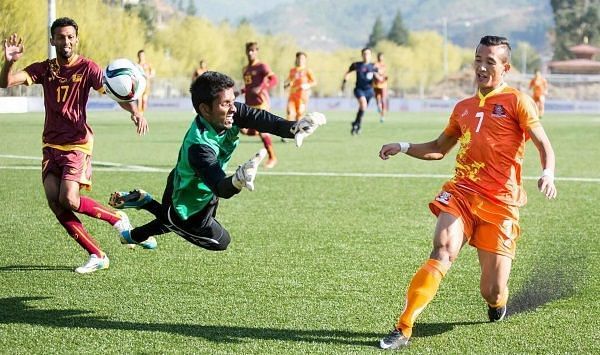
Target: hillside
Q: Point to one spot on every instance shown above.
(330, 24)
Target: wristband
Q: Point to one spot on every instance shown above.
(404, 147)
(548, 172)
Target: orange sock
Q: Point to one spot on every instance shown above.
(422, 289)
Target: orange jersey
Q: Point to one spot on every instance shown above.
(539, 86)
(492, 131)
(380, 83)
(297, 78)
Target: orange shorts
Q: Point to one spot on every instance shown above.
(296, 106)
(72, 165)
(488, 225)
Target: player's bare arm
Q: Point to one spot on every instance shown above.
(13, 51)
(138, 118)
(547, 158)
(433, 150)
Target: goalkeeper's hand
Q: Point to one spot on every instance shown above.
(305, 86)
(246, 173)
(307, 125)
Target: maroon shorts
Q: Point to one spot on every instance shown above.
(72, 165)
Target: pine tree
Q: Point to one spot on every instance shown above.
(575, 20)
(377, 34)
(191, 8)
(398, 33)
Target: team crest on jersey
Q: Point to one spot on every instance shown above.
(465, 113)
(76, 78)
(444, 197)
(498, 111)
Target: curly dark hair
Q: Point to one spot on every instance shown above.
(63, 22)
(207, 87)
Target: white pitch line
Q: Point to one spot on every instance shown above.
(116, 167)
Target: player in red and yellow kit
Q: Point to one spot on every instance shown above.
(480, 204)
(149, 74)
(380, 85)
(300, 80)
(258, 80)
(67, 138)
(539, 87)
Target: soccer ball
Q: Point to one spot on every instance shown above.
(123, 80)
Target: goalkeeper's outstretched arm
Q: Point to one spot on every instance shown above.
(262, 121)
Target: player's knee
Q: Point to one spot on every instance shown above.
(55, 206)
(69, 203)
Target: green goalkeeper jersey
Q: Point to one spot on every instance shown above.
(201, 150)
(199, 175)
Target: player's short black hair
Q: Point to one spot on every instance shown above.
(140, 51)
(63, 22)
(365, 49)
(300, 53)
(207, 87)
(491, 41)
(251, 44)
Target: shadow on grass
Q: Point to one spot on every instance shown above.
(545, 285)
(17, 268)
(423, 330)
(15, 310)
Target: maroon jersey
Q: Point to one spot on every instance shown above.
(254, 76)
(66, 92)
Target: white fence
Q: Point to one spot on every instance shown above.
(36, 104)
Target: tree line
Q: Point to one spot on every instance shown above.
(175, 45)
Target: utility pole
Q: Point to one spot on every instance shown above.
(445, 31)
(51, 18)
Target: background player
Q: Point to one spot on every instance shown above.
(380, 87)
(149, 73)
(258, 80)
(363, 89)
(201, 69)
(539, 87)
(194, 186)
(299, 80)
(67, 138)
(480, 204)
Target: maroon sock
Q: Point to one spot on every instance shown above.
(92, 208)
(78, 232)
(266, 139)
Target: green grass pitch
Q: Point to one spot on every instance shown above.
(319, 263)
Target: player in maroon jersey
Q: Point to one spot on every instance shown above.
(258, 79)
(67, 139)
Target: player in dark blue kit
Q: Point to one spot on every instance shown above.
(363, 90)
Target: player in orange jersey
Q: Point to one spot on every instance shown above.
(539, 86)
(380, 85)
(149, 74)
(67, 139)
(480, 204)
(300, 80)
(258, 80)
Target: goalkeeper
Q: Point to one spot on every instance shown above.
(194, 186)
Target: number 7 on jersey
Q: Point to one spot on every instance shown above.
(480, 116)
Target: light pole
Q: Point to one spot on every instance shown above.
(51, 18)
(445, 50)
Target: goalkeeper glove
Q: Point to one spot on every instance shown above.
(307, 125)
(246, 173)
